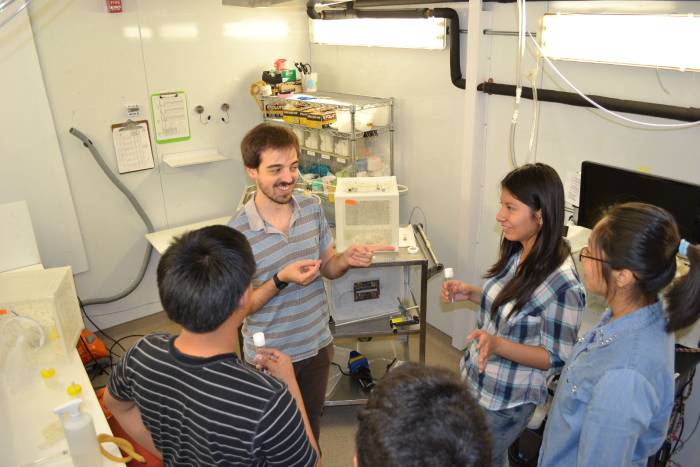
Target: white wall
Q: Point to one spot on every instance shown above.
(94, 63)
(31, 164)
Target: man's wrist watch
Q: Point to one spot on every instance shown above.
(279, 283)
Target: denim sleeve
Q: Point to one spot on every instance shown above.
(560, 324)
(621, 408)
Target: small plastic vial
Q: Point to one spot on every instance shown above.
(48, 376)
(74, 389)
(258, 340)
(449, 273)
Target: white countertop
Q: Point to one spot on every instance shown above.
(162, 239)
(30, 433)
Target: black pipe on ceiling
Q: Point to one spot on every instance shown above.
(446, 13)
(684, 114)
(349, 10)
(374, 3)
(353, 13)
(381, 3)
(455, 65)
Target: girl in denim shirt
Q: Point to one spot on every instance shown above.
(530, 306)
(615, 395)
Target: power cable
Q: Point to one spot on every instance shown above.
(82, 308)
(654, 126)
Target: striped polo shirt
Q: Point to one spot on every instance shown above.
(295, 320)
(211, 411)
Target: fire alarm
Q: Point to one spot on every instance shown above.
(114, 6)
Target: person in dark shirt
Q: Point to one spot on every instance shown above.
(189, 398)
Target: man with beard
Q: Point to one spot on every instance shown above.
(293, 247)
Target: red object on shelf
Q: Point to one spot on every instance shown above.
(279, 64)
(114, 6)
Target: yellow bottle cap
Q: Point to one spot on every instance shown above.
(74, 389)
(47, 373)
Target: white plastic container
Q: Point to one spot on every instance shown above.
(449, 274)
(366, 212)
(258, 340)
(312, 139)
(258, 343)
(80, 434)
(310, 82)
(48, 297)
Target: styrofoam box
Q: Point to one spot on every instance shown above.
(48, 297)
(366, 212)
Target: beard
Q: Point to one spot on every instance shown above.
(279, 198)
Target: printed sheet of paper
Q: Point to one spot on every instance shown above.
(132, 144)
(573, 187)
(170, 118)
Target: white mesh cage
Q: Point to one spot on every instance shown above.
(366, 211)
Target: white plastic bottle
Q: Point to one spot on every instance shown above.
(449, 273)
(80, 434)
(259, 342)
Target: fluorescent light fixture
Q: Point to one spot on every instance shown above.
(420, 33)
(663, 41)
(259, 30)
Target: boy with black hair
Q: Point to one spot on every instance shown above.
(189, 398)
(421, 416)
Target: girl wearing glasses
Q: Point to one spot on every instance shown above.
(615, 396)
(530, 306)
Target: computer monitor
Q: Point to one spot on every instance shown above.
(603, 186)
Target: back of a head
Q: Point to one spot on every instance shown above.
(644, 239)
(422, 416)
(203, 275)
(266, 136)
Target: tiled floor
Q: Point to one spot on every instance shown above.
(338, 425)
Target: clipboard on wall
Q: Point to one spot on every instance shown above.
(132, 146)
(170, 119)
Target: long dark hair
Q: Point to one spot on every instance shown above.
(539, 187)
(644, 239)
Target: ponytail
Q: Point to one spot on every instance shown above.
(683, 297)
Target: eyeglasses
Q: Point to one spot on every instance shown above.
(584, 254)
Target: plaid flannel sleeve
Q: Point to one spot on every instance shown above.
(560, 323)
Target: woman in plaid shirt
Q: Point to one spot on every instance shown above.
(530, 306)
